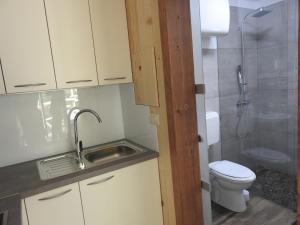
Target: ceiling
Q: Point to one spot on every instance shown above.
(252, 4)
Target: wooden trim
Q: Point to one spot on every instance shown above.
(181, 109)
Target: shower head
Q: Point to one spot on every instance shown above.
(261, 12)
(257, 13)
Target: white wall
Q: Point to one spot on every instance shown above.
(200, 103)
(37, 125)
(137, 120)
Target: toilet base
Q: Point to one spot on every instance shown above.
(233, 200)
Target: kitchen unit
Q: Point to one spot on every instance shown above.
(125, 191)
(25, 51)
(111, 41)
(72, 43)
(24, 218)
(126, 196)
(129, 195)
(63, 44)
(59, 206)
(67, 45)
(2, 87)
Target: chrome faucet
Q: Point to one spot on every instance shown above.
(78, 143)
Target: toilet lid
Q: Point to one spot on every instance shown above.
(231, 169)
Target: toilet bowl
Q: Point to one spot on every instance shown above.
(229, 181)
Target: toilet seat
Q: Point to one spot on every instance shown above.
(232, 171)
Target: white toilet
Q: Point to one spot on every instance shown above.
(229, 183)
(229, 180)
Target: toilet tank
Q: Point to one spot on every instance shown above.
(213, 127)
(215, 17)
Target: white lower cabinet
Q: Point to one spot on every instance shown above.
(2, 87)
(61, 206)
(24, 220)
(129, 196)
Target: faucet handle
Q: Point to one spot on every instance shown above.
(80, 146)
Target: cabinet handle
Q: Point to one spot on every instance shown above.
(30, 85)
(55, 196)
(101, 181)
(115, 78)
(78, 81)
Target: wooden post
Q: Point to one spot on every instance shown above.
(177, 50)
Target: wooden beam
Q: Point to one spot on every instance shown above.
(177, 49)
(143, 37)
(144, 34)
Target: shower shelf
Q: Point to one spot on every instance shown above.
(267, 155)
(273, 116)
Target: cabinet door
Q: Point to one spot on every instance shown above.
(72, 43)
(24, 220)
(61, 206)
(111, 41)
(24, 46)
(2, 87)
(129, 196)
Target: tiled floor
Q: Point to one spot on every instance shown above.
(260, 212)
(275, 186)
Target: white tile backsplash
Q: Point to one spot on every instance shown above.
(137, 125)
(37, 125)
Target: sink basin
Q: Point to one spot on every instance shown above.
(109, 154)
(61, 165)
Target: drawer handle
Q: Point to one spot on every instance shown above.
(78, 81)
(101, 181)
(55, 196)
(30, 85)
(115, 78)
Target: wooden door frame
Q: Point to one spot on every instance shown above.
(176, 40)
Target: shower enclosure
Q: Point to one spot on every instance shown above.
(258, 91)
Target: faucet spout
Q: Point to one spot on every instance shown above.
(78, 143)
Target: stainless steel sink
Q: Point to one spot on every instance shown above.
(109, 154)
(98, 155)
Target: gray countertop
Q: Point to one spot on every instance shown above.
(23, 180)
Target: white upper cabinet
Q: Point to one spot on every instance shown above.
(129, 196)
(109, 24)
(72, 42)
(61, 206)
(25, 51)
